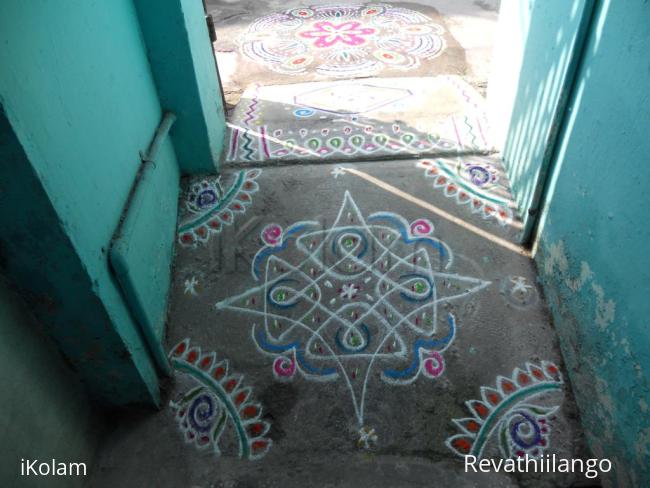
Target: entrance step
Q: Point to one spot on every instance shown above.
(361, 119)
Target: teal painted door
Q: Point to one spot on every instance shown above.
(142, 249)
(79, 103)
(550, 35)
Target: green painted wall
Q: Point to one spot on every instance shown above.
(593, 255)
(180, 51)
(81, 101)
(45, 413)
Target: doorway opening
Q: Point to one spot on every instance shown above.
(354, 81)
(309, 82)
(312, 82)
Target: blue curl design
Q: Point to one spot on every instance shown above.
(423, 344)
(304, 112)
(263, 342)
(434, 243)
(413, 299)
(514, 432)
(274, 302)
(361, 238)
(268, 250)
(201, 421)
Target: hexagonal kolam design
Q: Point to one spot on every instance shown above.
(351, 98)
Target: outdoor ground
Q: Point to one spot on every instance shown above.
(353, 339)
(466, 27)
(354, 81)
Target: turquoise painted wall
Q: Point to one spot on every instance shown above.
(179, 47)
(82, 102)
(535, 60)
(45, 412)
(593, 256)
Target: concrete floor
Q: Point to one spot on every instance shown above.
(258, 41)
(363, 304)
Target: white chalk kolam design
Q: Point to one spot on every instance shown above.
(211, 207)
(190, 286)
(506, 416)
(518, 292)
(342, 41)
(219, 399)
(471, 183)
(360, 296)
(348, 125)
(354, 139)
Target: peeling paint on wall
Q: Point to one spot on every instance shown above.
(591, 233)
(585, 275)
(605, 310)
(600, 364)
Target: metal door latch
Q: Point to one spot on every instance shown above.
(213, 33)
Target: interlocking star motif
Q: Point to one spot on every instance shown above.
(358, 296)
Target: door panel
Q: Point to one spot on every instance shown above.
(142, 251)
(536, 56)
